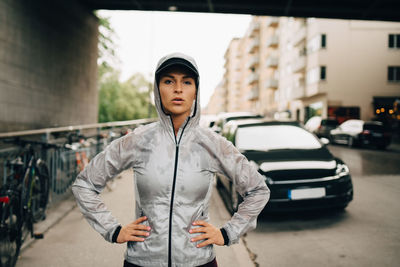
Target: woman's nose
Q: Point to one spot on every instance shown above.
(178, 87)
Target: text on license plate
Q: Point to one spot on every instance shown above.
(307, 193)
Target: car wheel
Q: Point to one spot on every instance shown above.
(381, 147)
(332, 138)
(350, 142)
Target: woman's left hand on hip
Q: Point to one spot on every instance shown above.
(210, 234)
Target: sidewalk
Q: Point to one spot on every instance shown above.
(70, 242)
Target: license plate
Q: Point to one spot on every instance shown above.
(377, 134)
(306, 193)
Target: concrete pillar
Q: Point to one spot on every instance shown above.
(48, 64)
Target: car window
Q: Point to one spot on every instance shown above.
(270, 137)
(374, 127)
(329, 123)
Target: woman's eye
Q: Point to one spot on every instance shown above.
(188, 82)
(167, 81)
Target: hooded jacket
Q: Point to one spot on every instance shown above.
(173, 184)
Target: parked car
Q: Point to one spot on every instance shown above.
(297, 166)
(360, 133)
(321, 127)
(223, 118)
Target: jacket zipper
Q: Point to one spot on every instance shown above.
(173, 190)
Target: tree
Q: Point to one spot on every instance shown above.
(106, 46)
(119, 101)
(124, 101)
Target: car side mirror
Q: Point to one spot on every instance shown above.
(324, 140)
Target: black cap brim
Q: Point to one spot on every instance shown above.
(176, 61)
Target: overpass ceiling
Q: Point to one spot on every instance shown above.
(387, 10)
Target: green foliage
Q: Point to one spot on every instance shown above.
(124, 101)
(119, 101)
(106, 45)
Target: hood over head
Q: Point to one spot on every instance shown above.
(189, 63)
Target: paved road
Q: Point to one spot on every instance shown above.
(366, 234)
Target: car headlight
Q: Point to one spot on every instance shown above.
(342, 170)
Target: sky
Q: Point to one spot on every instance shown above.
(143, 37)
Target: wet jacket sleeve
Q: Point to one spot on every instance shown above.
(249, 183)
(91, 181)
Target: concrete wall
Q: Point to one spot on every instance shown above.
(48, 64)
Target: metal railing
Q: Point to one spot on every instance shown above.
(67, 160)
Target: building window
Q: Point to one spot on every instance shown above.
(323, 40)
(394, 40)
(316, 43)
(316, 74)
(322, 73)
(394, 73)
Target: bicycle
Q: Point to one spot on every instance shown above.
(23, 200)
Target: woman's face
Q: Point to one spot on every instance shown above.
(177, 91)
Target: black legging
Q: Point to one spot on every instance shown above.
(212, 263)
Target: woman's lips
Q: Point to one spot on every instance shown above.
(177, 100)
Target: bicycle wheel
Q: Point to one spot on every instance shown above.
(40, 193)
(10, 235)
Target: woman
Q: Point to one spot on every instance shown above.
(174, 162)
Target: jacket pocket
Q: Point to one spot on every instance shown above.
(141, 214)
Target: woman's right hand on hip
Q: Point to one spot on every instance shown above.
(134, 231)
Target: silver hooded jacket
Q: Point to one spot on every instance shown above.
(173, 184)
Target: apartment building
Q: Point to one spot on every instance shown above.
(218, 101)
(250, 52)
(305, 67)
(232, 75)
(337, 68)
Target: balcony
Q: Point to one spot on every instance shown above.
(237, 67)
(272, 62)
(253, 93)
(253, 45)
(273, 41)
(272, 22)
(253, 77)
(253, 62)
(315, 88)
(298, 91)
(300, 36)
(271, 83)
(253, 29)
(299, 65)
(237, 78)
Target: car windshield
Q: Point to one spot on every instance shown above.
(329, 123)
(271, 137)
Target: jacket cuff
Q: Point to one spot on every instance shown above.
(225, 236)
(116, 233)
